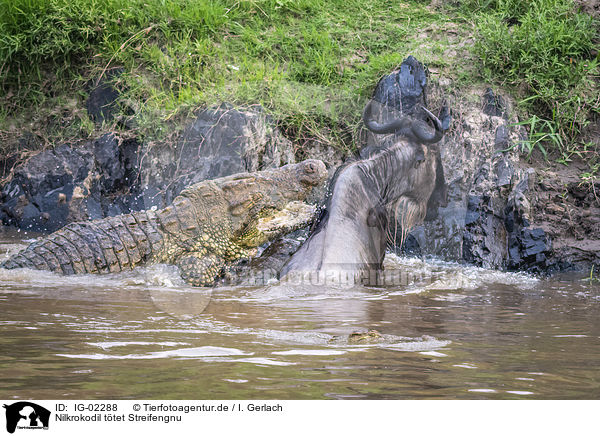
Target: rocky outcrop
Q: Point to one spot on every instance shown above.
(219, 142)
(68, 184)
(501, 211)
(504, 211)
(487, 220)
(112, 175)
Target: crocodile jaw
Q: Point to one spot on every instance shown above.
(293, 216)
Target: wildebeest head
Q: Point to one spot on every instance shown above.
(415, 130)
(369, 197)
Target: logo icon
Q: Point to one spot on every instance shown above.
(26, 415)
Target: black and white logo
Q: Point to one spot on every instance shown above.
(26, 415)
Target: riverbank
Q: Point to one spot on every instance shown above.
(116, 98)
(80, 70)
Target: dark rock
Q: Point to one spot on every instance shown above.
(410, 247)
(473, 207)
(130, 159)
(504, 171)
(501, 140)
(528, 249)
(32, 199)
(403, 91)
(532, 242)
(102, 101)
(68, 184)
(109, 163)
(219, 142)
(482, 174)
(485, 237)
(497, 232)
(493, 104)
(93, 208)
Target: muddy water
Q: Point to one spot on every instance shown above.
(448, 332)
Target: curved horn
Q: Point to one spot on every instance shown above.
(376, 127)
(422, 133)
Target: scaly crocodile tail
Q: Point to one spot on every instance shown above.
(108, 245)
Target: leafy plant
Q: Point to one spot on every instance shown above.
(540, 133)
(542, 49)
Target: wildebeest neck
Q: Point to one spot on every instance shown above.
(353, 234)
(388, 173)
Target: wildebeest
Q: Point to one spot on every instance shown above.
(367, 199)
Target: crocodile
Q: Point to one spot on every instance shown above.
(208, 225)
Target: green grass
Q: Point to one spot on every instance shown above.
(310, 63)
(544, 51)
(306, 61)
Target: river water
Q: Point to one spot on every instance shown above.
(447, 332)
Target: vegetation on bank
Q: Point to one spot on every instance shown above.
(311, 63)
(546, 52)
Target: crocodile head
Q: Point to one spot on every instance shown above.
(266, 204)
